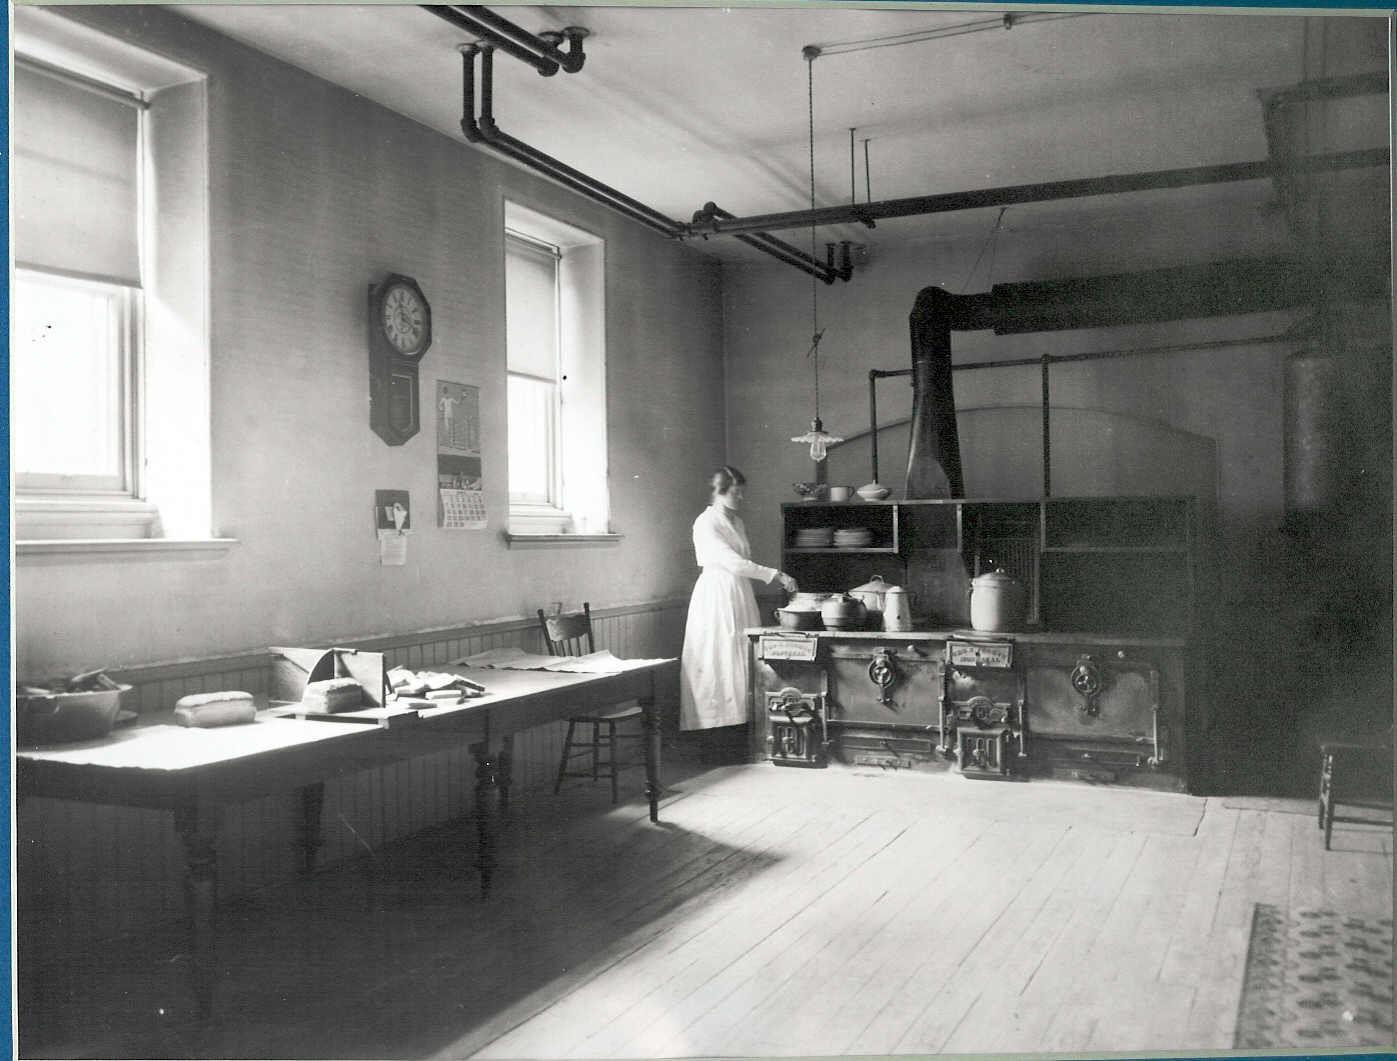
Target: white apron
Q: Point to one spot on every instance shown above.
(713, 677)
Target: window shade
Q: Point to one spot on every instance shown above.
(531, 308)
(76, 184)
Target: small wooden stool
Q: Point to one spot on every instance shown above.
(1356, 774)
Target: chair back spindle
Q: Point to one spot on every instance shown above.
(568, 634)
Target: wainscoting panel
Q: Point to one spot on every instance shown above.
(87, 873)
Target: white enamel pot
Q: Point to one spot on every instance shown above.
(998, 602)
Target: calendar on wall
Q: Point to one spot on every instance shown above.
(460, 490)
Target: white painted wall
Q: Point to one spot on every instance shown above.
(315, 194)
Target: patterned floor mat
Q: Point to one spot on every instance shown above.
(1316, 979)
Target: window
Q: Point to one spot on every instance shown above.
(108, 342)
(555, 338)
(71, 345)
(531, 336)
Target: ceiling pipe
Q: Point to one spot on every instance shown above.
(869, 214)
(595, 189)
(485, 131)
(545, 44)
(789, 253)
(477, 28)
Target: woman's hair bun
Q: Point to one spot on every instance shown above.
(725, 478)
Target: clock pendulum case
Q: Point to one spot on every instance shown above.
(400, 330)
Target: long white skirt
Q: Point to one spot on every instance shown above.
(714, 676)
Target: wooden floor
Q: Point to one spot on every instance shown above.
(775, 912)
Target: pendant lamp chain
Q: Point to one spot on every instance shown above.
(817, 438)
(815, 334)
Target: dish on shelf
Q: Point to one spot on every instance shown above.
(873, 491)
(860, 536)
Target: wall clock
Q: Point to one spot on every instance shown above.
(400, 331)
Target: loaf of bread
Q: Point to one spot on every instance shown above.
(331, 696)
(215, 709)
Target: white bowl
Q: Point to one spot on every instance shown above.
(873, 492)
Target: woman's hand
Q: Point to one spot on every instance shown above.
(787, 582)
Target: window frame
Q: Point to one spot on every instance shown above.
(549, 506)
(127, 311)
(166, 506)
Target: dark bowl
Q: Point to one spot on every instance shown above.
(61, 717)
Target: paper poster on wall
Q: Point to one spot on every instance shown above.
(393, 522)
(460, 493)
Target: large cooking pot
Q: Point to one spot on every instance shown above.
(998, 602)
(802, 612)
(843, 612)
(872, 594)
(798, 618)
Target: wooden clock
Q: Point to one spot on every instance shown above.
(400, 331)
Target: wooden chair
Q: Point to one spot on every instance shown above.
(570, 634)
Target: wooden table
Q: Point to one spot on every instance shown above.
(195, 773)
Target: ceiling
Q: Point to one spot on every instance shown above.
(679, 106)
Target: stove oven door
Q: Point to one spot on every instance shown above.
(1095, 705)
(884, 697)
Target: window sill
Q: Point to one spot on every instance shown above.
(106, 549)
(516, 540)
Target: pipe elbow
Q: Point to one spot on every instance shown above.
(573, 60)
(470, 131)
(931, 302)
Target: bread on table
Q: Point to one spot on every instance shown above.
(203, 710)
(331, 696)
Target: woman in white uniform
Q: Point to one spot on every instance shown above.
(714, 675)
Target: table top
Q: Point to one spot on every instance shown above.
(156, 743)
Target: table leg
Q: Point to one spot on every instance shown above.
(504, 772)
(485, 779)
(308, 834)
(198, 829)
(652, 756)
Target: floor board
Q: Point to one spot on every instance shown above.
(773, 913)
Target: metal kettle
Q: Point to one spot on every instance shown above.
(897, 610)
(871, 593)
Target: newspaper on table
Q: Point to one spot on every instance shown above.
(603, 662)
(405, 682)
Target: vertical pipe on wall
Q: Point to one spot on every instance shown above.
(873, 418)
(1047, 459)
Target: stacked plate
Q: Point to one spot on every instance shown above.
(814, 537)
(852, 537)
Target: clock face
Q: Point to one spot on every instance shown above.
(404, 319)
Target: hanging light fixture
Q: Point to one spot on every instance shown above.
(817, 438)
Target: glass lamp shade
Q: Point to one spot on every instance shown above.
(818, 440)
